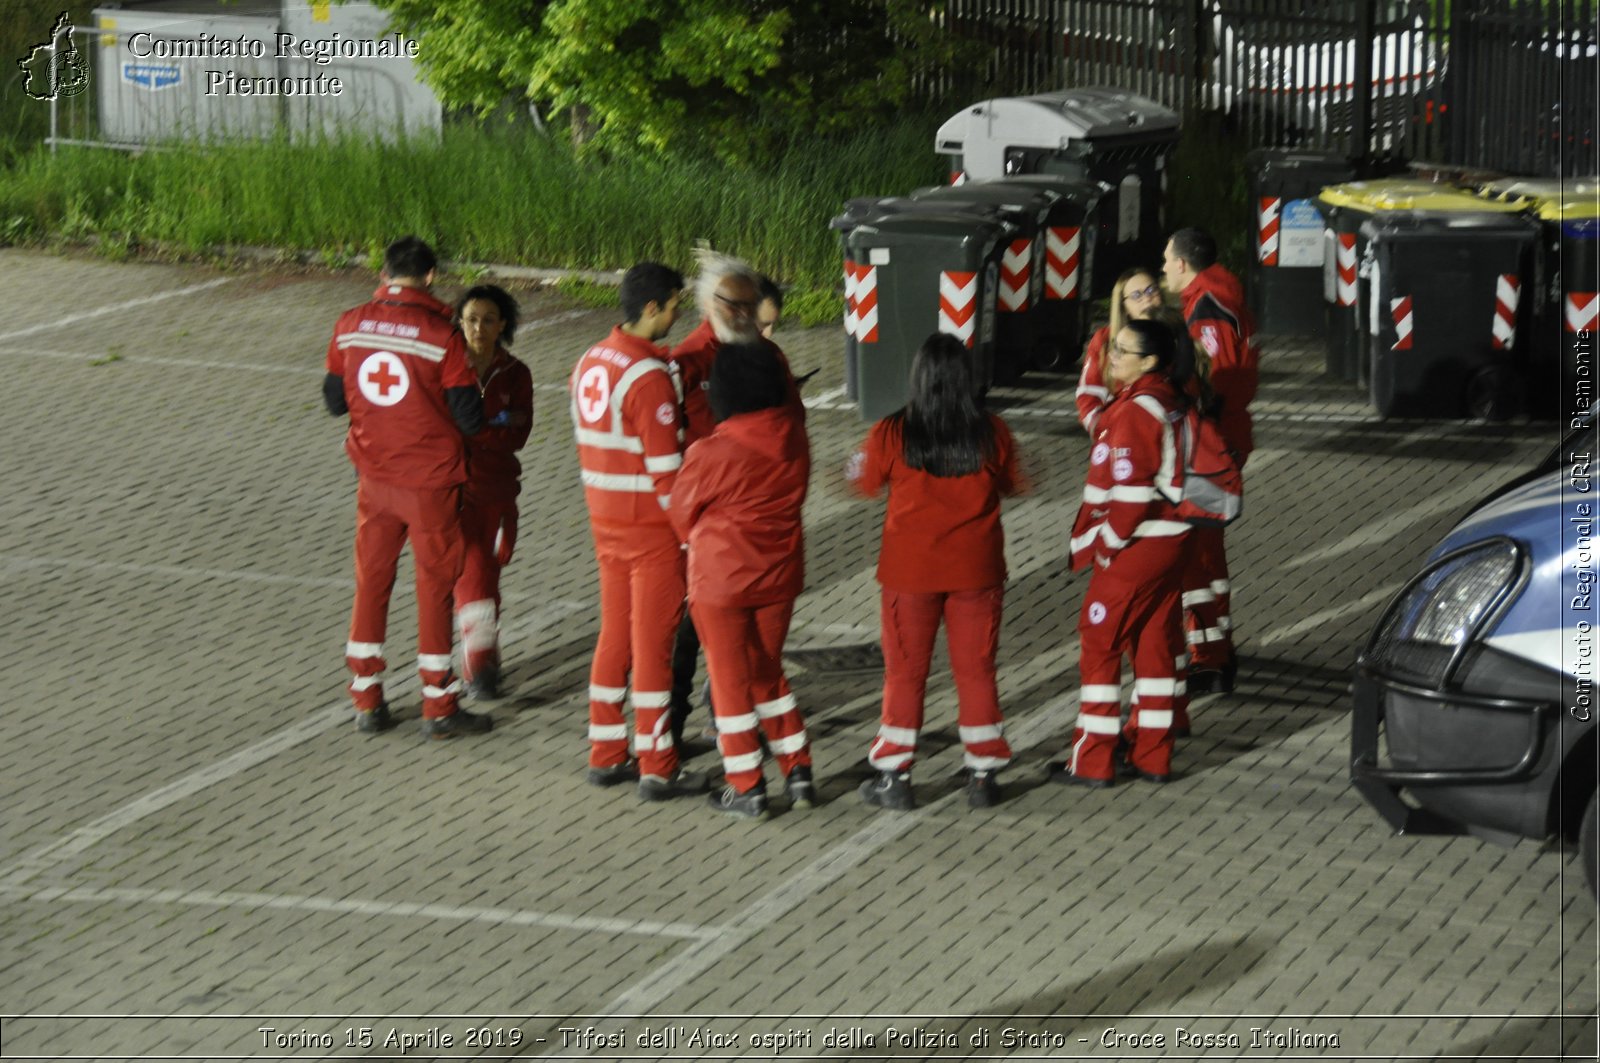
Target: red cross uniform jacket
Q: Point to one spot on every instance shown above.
(492, 465)
(1093, 394)
(1133, 461)
(625, 418)
(1219, 321)
(691, 365)
(399, 368)
(941, 533)
(737, 503)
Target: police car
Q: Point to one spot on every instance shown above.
(1474, 698)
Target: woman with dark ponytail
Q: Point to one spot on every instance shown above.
(945, 463)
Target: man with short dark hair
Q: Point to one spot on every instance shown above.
(625, 416)
(1214, 308)
(399, 368)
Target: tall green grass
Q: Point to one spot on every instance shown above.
(478, 194)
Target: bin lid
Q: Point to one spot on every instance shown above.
(1266, 162)
(1084, 193)
(947, 226)
(1055, 120)
(1552, 200)
(1373, 197)
(1031, 203)
(1457, 223)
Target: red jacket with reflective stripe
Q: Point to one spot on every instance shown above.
(492, 465)
(941, 533)
(737, 502)
(1219, 321)
(625, 418)
(691, 364)
(1133, 461)
(397, 354)
(1093, 391)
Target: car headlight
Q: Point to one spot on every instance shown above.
(1442, 612)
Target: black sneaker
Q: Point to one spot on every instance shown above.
(458, 723)
(680, 784)
(485, 683)
(751, 804)
(890, 790)
(983, 790)
(799, 788)
(615, 775)
(374, 721)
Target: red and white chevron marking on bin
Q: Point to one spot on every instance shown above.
(1062, 244)
(1582, 311)
(1268, 215)
(959, 177)
(861, 301)
(958, 304)
(1401, 309)
(1345, 249)
(1507, 293)
(1016, 271)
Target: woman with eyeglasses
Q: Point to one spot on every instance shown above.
(1132, 536)
(1135, 297)
(945, 463)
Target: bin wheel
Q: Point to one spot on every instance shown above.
(1493, 394)
(1589, 843)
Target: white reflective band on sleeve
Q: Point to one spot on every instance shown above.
(984, 763)
(366, 682)
(663, 463)
(900, 736)
(788, 743)
(651, 699)
(433, 662)
(1193, 598)
(1155, 688)
(442, 692)
(732, 725)
(608, 481)
(1096, 392)
(363, 649)
(988, 733)
(1133, 494)
(1151, 405)
(608, 732)
(1151, 528)
(768, 709)
(590, 437)
(1099, 725)
(1155, 719)
(1221, 586)
(613, 695)
(1099, 692)
(742, 762)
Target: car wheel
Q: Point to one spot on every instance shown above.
(1589, 843)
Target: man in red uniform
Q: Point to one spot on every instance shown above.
(399, 369)
(626, 419)
(1214, 308)
(733, 305)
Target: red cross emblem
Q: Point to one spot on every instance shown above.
(594, 393)
(383, 379)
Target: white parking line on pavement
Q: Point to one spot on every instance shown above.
(350, 906)
(88, 315)
(1389, 525)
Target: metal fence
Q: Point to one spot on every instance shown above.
(1507, 85)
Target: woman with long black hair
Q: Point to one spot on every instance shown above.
(945, 463)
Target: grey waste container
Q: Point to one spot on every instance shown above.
(916, 274)
(1284, 279)
(1117, 138)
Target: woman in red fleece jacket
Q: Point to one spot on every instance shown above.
(946, 463)
(737, 502)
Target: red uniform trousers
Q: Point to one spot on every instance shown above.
(744, 654)
(386, 516)
(641, 602)
(488, 518)
(1206, 599)
(1129, 608)
(910, 624)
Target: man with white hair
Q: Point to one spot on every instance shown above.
(729, 295)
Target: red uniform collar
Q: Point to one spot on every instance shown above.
(637, 346)
(399, 293)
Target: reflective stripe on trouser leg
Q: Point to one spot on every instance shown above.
(657, 591)
(652, 739)
(1206, 599)
(775, 705)
(434, 532)
(972, 631)
(1155, 687)
(480, 635)
(726, 633)
(909, 623)
(1180, 689)
(366, 664)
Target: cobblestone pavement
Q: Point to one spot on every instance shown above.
(197, 845)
